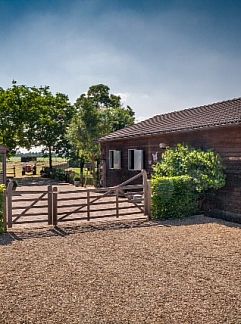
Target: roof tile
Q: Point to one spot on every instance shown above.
(213, 115)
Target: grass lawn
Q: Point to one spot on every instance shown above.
(171, 272)
(41, 162)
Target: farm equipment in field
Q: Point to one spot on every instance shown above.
(29, 165)
(29, 168)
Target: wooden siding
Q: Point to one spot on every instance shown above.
(225, 140)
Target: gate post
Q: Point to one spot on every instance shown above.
(117, 202)
(50, 205)
(148, 199)
(9, 193)
(4, 211)
(145, 192)
(88, 204)
(147, 195)
(55, 206)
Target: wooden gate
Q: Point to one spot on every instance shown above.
(56, 205)
(28, 206)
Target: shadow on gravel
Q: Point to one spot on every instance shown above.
(8, 238)
(63, 231)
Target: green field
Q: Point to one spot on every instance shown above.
(15, 162)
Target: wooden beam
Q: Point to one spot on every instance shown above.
(55, 206)
(50, 205)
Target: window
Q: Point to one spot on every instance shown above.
(135, 159)
(114, 159)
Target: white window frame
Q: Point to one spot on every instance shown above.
(138, 164)
(116, 165)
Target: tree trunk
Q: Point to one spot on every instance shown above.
(98, 173)
(50, 158)
(82, 174)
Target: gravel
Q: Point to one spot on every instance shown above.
(133, 272)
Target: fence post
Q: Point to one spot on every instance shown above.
(4, 211)
(50, 205)
(145, 191)
(88, 205)
(55, 206)
(147, 195)
(117, 202)
(9, 210)
(149, 199)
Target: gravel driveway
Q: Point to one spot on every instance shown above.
(137, 272)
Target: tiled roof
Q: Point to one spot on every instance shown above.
(217, 114)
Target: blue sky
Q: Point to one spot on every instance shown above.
(158, 55)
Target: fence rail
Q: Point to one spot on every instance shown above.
(52, 205)
(11, 172)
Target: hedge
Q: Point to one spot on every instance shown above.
(205, 167)
(2, 188)
(173, 197)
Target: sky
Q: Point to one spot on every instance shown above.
(159, 56)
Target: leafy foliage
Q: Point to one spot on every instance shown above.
(17, 112)
(98, 113)
(173, 197)
(54, 115)
(2, 188)
(181, 178)
(204, 167)
(31, 116)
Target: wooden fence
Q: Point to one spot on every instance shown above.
(63, 166)
(11, 171)
(53, 205)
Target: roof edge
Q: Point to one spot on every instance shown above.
(181, 130)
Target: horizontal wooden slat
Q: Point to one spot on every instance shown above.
(114, 215)
(24, 192)
(71, 198)
(28, 199)
(94, 203)
(130, 187)
(71, 205)
(31, 221)
(110, 202)
(72, 212)
(30, 215)
(98, 210)
(28, 207)
(101, 190)
(72, 219)
(95, 217)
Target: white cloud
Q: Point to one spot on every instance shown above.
(156, 64)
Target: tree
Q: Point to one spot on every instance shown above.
(83, 133)
(98, 114)
(54, 116)
(31, 116)
(17, 108)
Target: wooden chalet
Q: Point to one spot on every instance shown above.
(215, 126)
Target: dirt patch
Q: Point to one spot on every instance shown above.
(140, 272)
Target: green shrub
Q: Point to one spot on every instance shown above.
(173, 197)
(182, 179)
(2, 188)
(204, 167)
